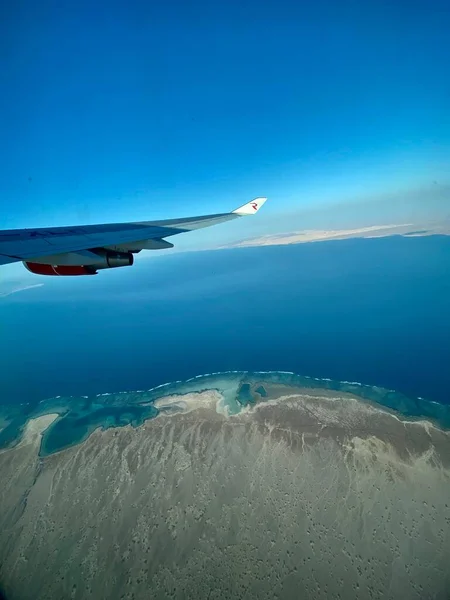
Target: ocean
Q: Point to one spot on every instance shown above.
(374, 311)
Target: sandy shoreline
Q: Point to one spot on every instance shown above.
(36, 427)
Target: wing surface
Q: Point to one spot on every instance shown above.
(26, 244)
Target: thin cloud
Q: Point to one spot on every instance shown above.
(20, 289)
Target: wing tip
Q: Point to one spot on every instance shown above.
(251, 207)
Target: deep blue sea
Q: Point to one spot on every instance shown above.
(375, 311)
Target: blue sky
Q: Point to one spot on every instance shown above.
(123, 111)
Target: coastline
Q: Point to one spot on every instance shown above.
(80, 417)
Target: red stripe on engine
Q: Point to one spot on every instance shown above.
(66, 270)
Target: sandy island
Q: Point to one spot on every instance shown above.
(313, 494)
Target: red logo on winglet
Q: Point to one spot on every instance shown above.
(255, 206)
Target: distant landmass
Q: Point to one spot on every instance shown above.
(320, 235)
(231, 485)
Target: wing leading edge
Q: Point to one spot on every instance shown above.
(92, 245)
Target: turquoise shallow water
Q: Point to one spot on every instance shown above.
(79, 417)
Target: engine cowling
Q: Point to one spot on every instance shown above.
(117, 259)
(40, 269)
(107, 260)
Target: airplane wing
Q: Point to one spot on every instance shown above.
(84, 249)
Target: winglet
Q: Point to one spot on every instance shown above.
(251, 207)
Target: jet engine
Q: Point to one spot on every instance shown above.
(107, 260)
